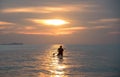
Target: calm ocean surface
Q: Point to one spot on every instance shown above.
(78, 61)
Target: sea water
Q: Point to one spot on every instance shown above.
(78, 61)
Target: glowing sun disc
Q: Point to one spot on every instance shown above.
(55, 22)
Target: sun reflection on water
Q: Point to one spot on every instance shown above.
(53, 64)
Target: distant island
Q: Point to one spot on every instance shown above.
(12, 44)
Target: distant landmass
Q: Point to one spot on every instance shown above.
(12, 44)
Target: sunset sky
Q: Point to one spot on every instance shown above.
(60, 21)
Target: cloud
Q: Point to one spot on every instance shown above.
(69, 30)
(52, 31)
(33, 10)
(44, 33)
(34, 32)
(50, 9)
(74, 28)
(29, 27)
(38, 30)
(115, 33)
(105, 23)
(5, 27)
(109, 20)
(6, 23)
(101, 27)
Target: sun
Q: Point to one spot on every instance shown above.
(55, 22)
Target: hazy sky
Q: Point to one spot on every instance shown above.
(89, 21)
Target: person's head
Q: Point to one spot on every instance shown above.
(61, 46)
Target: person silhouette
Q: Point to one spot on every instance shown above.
(60, 51)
